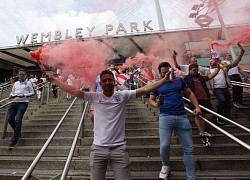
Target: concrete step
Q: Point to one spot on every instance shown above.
(16, 174)
(203, 162)
(47, 128)
(52, 116)
(176, 150)
(155, 132)
(225, 162)
(43, 134)
(37, 141)
(174, 175)
(28, 150)
(134, 151)
(52, 163)
(154, 140)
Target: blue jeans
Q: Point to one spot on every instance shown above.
(182, 127)
(224, 101)
(16, 111)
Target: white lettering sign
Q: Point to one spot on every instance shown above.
(58, 35)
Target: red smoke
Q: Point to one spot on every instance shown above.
(143, 61)
(242, 38)
(83, 59)
(194, 51)
(36, 54)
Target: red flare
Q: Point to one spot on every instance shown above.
(37, 56)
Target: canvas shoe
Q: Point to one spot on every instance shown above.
(12, 145)
(237, 105)
(208, 134)
(165, 170)
(220, 122)
(241, 106)
(205, 141)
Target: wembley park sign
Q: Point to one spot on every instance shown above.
(58, 35)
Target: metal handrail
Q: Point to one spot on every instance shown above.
(43, 87)
(2, 88)
(5, 105)
(6, 85)
(146, 78)
(5, 123)
(4, 100)
(140, 80)
(223, 131)
(222, 117)
(69, 159)
(235, 83)
(45, 146)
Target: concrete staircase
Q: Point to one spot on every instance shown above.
(223, 160)
(38, 123)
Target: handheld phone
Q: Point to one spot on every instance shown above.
(161, 98)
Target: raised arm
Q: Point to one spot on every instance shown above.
(236, 61)
(213, 74)
(175, 61)
(152, 86)
(65, 87)
(245, 74)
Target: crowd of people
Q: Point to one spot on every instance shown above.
(115, 87)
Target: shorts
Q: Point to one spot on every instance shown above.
(206, 103)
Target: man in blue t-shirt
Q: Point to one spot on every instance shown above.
(173, 117)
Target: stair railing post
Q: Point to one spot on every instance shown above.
(5, 125)
(83, 124)
(1, 93)
(58, 95)
(42, 95)
(48, 89)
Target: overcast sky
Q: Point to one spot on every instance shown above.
(21, 17)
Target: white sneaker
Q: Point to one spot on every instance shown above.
(241, 106)
(164, 172)
(205, 141)
(236, 104)
(208, 134)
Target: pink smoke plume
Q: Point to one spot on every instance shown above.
(143, 61)
(190, 53)
(84, 60)
(140, 59)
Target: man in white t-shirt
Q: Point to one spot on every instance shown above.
(234, 75)
(185, 68)
(109, 127)
(220, 85)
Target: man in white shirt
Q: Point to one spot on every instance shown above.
(234, 75)
(185, 68)
(220, 85)
(21, 92)
(109, 127)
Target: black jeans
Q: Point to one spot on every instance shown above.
(237, 90)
